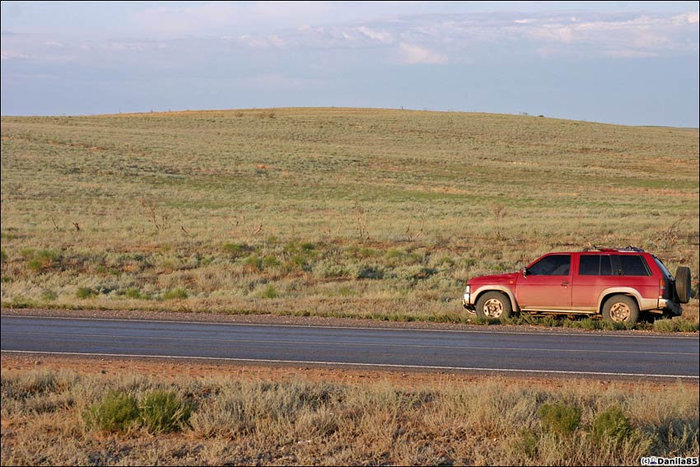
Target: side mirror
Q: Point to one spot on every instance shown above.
(524, 272)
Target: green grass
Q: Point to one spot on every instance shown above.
(396, 209)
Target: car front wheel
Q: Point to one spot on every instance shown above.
(493, 305)
(621, 309)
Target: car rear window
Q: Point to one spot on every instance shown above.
(633, 265)
(663, 268)
(595, 265)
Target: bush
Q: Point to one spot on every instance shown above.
(85, 292)
(675, 325)
(329, 268)
(369, 272)
(611, 424)
(134, 293)
(3, 255)
(116, 412)
(271, 262)
(270, 292)
(164, 411)
(44, 259)
(175, 294)
(236, 250)
(560, 418)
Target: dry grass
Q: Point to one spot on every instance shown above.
(337, 212)
(243, 418)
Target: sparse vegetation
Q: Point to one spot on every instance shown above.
(363, 213)
(108, 419)
(611, 425)
(560, 418)
(164, 411)
(117, 411)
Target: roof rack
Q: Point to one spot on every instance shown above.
(627, 248)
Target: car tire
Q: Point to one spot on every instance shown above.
(493, 305)
(621, 309)
(683, 284)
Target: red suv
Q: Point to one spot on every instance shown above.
(617, 283)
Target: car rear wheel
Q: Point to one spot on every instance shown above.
(683, 284)
(493, 305)
(621, 309)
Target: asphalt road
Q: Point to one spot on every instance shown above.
(488, 350)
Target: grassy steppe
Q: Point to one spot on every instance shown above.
(332, 212)
(73, 418)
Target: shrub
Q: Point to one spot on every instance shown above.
(49, 295)
(175, 294)
(329, 268)
(271, 262)
(44, 259)
(85, 292)
(164, 411)
(675, 325)
(560, 418)
(526, 442)
(611, 424)
(134, 293)
(3, 255)
(116, 412)
(270, 292)
(308, 246)
(369, 272)
(253, 263)
(236, 250)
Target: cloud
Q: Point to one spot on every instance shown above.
(415, 54)
(226, 17)
(12, 55)
(638, 35)
(381, 36)
(259, 42)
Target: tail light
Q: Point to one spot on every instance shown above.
(662, 288)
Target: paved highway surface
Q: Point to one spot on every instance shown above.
(488, 350)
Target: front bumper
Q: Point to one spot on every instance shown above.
(466, 300)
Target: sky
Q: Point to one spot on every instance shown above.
(631, 63)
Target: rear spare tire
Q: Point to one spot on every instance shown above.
(683, 284)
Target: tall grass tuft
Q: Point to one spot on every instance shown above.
(117, 411)
(164, 411)
(560, 418)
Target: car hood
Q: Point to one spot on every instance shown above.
(494, 279)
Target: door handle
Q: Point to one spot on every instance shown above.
(565, 283)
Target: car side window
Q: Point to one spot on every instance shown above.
(589, 265)
(633, 265)
(594, 265)
(552, 265)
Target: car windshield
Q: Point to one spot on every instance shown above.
(661, 266)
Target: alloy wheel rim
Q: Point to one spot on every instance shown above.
(493, 308)
(620, 312)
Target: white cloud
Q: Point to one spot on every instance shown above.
(381, 36)
(686, 18)
(415, 54)
(259, 42)
(11, 54)
(227, 17)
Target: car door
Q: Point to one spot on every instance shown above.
(546, 284)
(595, 274)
